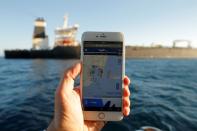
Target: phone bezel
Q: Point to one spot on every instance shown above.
(103, 36)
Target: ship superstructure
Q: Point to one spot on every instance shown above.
(65, 35)
(65, 45)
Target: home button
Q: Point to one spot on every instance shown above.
(101, 115)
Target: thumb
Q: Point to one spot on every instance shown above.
(67, 83)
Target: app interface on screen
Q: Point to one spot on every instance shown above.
(102, 76)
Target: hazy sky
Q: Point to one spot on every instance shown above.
(142, 21)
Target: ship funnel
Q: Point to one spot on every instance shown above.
(40, 39)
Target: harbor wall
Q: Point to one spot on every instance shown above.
(151, 52)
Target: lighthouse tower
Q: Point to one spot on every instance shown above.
(40, 39)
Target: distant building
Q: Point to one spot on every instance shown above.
(181, 44)
(156, 45)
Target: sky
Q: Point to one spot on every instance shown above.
(142, 21)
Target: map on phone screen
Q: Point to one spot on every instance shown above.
(102, 76)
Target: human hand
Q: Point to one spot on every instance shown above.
(68, 115)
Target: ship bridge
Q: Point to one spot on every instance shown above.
(65, 35)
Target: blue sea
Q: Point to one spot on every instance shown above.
(164, 94)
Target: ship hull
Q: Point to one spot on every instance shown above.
(67, 52)
(73, 52)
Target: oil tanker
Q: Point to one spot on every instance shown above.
(65, 46)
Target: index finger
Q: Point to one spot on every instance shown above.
(70, 74)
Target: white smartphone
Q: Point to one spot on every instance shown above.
(103, 57)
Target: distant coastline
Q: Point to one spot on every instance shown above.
(160, 52)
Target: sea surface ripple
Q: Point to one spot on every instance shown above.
(164, 94)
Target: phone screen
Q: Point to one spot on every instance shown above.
(102, 76)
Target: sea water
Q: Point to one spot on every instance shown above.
(164, 94)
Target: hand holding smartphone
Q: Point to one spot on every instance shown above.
(103, 56)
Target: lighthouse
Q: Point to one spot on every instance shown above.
(40, 39)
